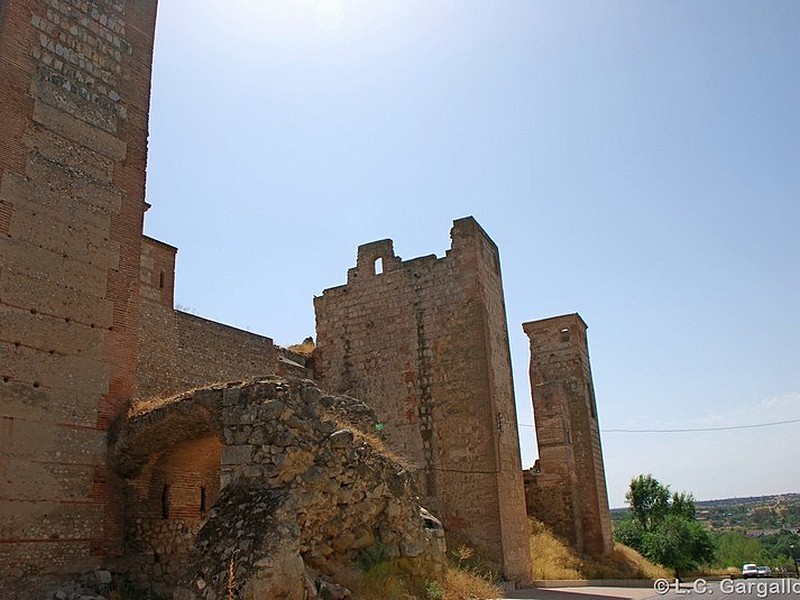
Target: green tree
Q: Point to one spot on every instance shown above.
(664, 527)
(735, 549)
(764, 516)
(679, 543)
(629, 531)
(649, 500)
(683, 505)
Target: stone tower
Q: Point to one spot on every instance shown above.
(74, 106)
(425, 342)
(568, 490)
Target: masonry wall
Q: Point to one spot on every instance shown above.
(568, 489)
(73, 139)
(179, 351)
(166, 505)
(425, 343)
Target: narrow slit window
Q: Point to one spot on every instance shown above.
(202, 500)
(161, 280)
(165, 502)
(378, 266)
(565, 334)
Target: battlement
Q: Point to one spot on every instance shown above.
(425, 342)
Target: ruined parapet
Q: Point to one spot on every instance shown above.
(567, 489)
(254, 486)
(178, 350)
(425, 342)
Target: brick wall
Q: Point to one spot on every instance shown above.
(425, 343)
(165, 507)
(179, 351)
(157, 272)
(568, 491)
(73, 143)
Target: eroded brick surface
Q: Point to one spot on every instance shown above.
(567, 490)
(425, 342)
(73, 136)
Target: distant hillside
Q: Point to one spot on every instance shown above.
(756, 515)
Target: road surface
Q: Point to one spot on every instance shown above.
(700, 589)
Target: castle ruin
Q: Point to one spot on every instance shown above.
(425, 342)
(567, 488)
(88, 329)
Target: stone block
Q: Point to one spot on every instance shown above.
(79, 131)
(237, 455)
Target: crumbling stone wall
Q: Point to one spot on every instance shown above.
(73, 137)
(165, 507)
(179, 351)
(567, 489)
(425, 342)
(304, 489)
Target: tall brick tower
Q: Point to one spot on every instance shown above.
(568, 490)
(425, 342)
(74, 98)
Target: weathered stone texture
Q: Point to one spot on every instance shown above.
(179, 351)
(303, 488)
(567, 489)
(425, 343)
(73, 136)
(87, 323)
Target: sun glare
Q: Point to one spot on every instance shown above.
(330, 15)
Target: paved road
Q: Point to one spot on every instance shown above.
(738, 589)
(582, 593)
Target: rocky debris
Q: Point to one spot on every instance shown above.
(306, 491)
(91, 586)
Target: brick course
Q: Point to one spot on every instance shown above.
(179, 351)
(425, 343)
(567, 490)
(73, 139)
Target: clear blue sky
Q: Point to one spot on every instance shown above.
(636, 162)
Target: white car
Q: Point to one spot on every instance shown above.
(749, 570)
(764, 572)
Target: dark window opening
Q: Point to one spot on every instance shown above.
(565, 334)
(202, 500)
(165, 502)
(161, 280)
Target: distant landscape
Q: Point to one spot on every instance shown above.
(762, 529)
(755, 516)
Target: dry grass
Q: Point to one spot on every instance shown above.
(389, 581)
(141, 406)
(554, 559)
(377, 443)
(305, 348)
(550, 556)
(465, 585)
(623, 563)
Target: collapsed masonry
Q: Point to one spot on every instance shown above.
(425, 342)
(269, 484)
(567, 488)
(88, 326)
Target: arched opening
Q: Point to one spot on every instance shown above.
(167, 502)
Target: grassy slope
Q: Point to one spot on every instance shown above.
(554, 559)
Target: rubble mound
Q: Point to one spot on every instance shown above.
(307, 492)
